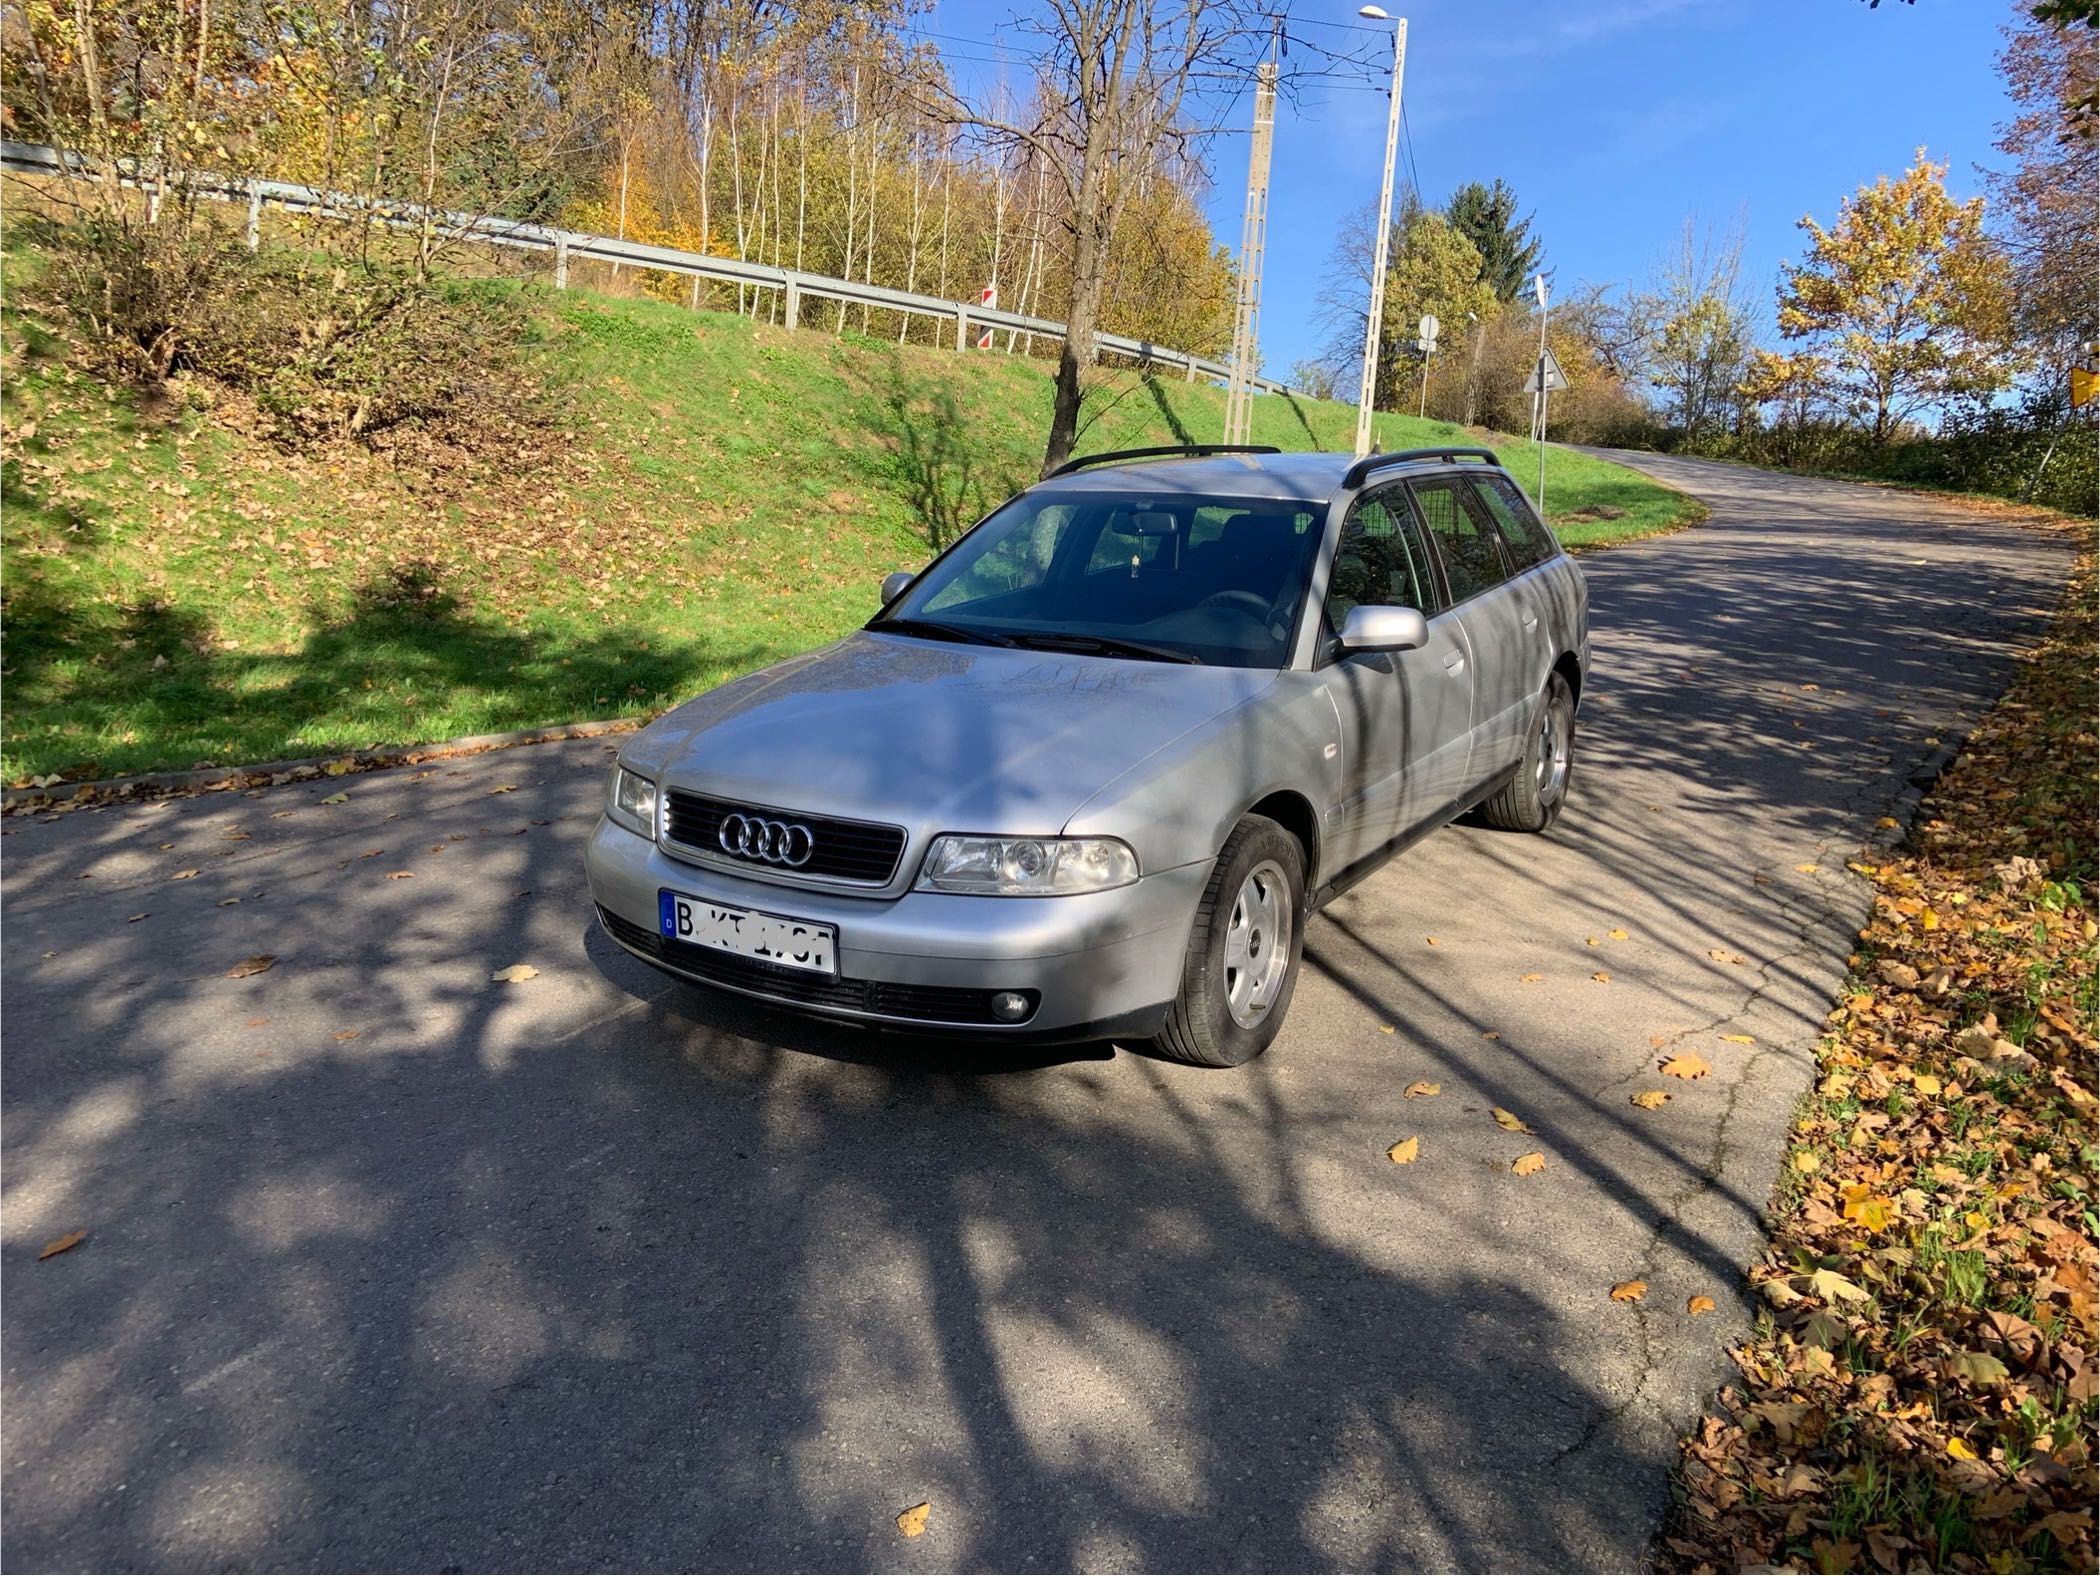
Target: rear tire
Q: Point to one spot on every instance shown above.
(1242, 963)
(1533, 798)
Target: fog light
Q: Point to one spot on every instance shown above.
(1009, 1006)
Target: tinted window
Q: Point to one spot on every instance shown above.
(1217, 579)
(1379, 560)
(1464, 535)
(1527, 540)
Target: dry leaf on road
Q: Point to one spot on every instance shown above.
(912, 1522)
(182, 875)
(261, 963)
(1617, 935)
(1529, 979)
(1383, 1028)
(337, 798)
(1686, 1066)
(1508, 1122)
(1528, 1165)
(1651, 1099)
(1629, 1291)
(400, 875)
(515, 974)
(1700, 1305)
(504, 788)
(1404, 1152)
(1432, 941)
(65, 1244)
(1601, 977)
(136, 918)
(346, 1034)
(1420, 1090)
(1739, 1039)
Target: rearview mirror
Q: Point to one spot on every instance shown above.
(1384, 629)
(893, 586)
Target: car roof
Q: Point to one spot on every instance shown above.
(1287, 478)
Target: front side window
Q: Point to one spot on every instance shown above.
(1379, 560)
(1465, 536)
(1204, 579)
(1527, 540)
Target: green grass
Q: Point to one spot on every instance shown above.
(178, 593)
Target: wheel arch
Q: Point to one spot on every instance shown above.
(1292, 811)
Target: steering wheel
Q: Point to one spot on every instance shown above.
(1249, 602)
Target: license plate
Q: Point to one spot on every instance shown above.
(788, 943)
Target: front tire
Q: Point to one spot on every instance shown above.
(1532, 800)
(1242, 963)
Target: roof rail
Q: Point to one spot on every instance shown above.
(1173, 451)
(1378, 462)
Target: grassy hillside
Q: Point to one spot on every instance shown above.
(178, 593)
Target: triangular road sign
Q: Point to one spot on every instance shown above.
(1556, 380)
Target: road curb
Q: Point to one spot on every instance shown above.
(226, 779)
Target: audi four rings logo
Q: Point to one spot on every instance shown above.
(776, 842)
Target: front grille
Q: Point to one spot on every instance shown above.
(922, 1003)
(841, 850)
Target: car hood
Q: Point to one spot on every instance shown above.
(931, 736)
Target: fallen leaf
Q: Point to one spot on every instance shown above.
(1432, 941)
(1616, 935)
(504, 788)
(1508, 1122)
(347, 1034)
(1959, 1450)
(136, 918)
(1419, 1090)
(400, 875)
(1822, 1328)
(65, 1244)
(1688, 1065)
(257, 1023)
(1926, 1084)
(516, 974)
(1833, 1287)
(1700, 1305)
(1629, 1291)
(1739, 1039)
(1528, 1165)
(228, 902)
(337, 798)
(261, 963)
(1651, 1099)
(1529, 979)
(1977, 1368)
(912, 1522)
(1404, 1152)
(1383, 1028)
(182, 875)
(1809, 870)
(1601, 977)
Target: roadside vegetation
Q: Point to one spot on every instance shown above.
(1919, 1390)
(195, 576)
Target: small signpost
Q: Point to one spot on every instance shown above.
(1546, 376)
(2085, 387)
(1425, 341)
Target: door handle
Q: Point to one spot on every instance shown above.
(1531, 621)
(1454, 663)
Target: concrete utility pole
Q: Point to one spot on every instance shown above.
(1246, 325)
(1374, 328)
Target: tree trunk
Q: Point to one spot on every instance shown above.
(1089, 274)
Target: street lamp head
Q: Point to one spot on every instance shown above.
(1376, 13)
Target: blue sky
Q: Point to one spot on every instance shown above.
(1613, 119)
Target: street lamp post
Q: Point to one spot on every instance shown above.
(1375, 327)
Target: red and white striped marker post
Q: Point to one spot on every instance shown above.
(988, 296)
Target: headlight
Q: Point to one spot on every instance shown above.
(1027, 866)
(631, 801)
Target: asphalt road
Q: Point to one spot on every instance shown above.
(391, 1267)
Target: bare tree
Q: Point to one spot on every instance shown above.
(1113, 86)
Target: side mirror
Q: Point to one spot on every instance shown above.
(893, 585)
(1384, 629)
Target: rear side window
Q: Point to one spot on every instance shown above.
(1379, 561)
(1465, 536)
(1528, 541)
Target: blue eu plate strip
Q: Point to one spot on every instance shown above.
(666, 913)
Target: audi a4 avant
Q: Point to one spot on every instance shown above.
(1086, 774)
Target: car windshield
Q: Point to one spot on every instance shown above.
(1212, 580)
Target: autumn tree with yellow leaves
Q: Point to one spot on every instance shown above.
(1905, 303)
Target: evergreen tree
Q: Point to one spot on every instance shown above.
(1487, 216)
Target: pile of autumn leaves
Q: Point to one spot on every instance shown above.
(1919, 1390)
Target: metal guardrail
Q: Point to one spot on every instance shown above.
(567, 246)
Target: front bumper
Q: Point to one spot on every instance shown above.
(1100, 964)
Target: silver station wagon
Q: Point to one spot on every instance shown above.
(1086, 774)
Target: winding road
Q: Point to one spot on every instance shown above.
(393, 1267)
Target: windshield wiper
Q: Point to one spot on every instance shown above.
(1099, 646)
(929, 629)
